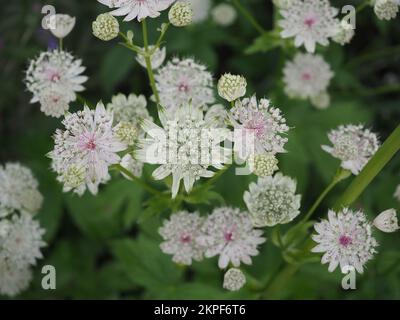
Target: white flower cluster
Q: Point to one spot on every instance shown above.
(20, 235)
(105, 27)
(234, 279)
(232, 87)
(54, 78)
(386, 9)
(353, 145)
(180, 14)
(227, 232)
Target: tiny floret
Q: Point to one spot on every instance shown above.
(232, 87)
(105, 27)
(180, 14)
(234, 279)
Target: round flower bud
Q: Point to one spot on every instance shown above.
(63, 25)
(263, 165)
(386, 9)
(232, 87)
(234, 279)
(180, 14)
(106, 27)
(344, 34)
(321, 101)
(74, 176)
(126, 132)
(224, 14)
(387, 221)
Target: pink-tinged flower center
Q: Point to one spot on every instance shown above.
(186, 238)
(183, 87)
(306, 76)
(256, 124)
(53, 75)
(228, 236)
(87, 142)
(309, 22)
(345, 240)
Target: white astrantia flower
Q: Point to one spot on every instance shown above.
(87, 144)
(63, 25)
(231, 87)
(234, 279)
(321, 101)
(259, 128)
(179, 234)
(105, 27)
(310, 22)
(23, 240)
(201, 10)
(132, 165)
(217, 114)
(18, 190)
(55, 71)
(180, 14)
(346, 240)
(224, 14)
(157, 58)
(387, 221)
(137, 9)
(353, 145)
(272, 200)
(397, 193)
(344, 33)
(306, 76)
(13, 278)
(386, 9)
(182, 81)
(229, 233)
(185, 147)
(263, 165)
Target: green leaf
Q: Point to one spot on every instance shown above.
(265, 43)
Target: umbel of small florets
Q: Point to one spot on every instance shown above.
(386, 9)
(126, 132)
(232, 87)
(263, 165)
(106, 27)
(234, 279)
(181, 14)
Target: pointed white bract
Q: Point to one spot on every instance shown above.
(310, 22)
(179, 234)
(234, 279)
(85, 149)
(157, 58)
(346, 240)
(259, 128)
(272, 200)
(229, 233)
(387, 221)
(137, 9)
(63, 25)
(353, 145)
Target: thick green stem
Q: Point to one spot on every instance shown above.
(148, 62)
(248, 16)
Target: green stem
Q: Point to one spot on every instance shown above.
(148, 62)
(60, 44)
(362, 6)
(248, 16)
(163, 32)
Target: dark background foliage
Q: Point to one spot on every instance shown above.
(107, 246)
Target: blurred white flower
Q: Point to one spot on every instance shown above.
(224, 14)
(201, 9)
(229, 233)
(259, 128)
(18, 190)
(132, 165)
(344, 33)
(321, 101)
(307, 76)
(63, 25)
(272, 200)
(234, 279)
(231, 87)
(386, 9)
(387, 221)
(186, 146)
(14, 279)
(89, 143)
(157, 58)
(310, 22)
(105, 27)
(23, 240)
(50, 74)
(179, 234)
(346, 240)
(137, 9)
(353, 145)
(180, 14)
(181, 82)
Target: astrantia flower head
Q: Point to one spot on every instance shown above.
(186, 146)
(14, 279)
(63, 25)
(229, 233)
(18, 190)
(88, 143)
(346, 240)
(234, 279)
(126, 132)
(22, 243)
(321, 101)
(157, 58)
(139, 9)
(181, 82)
(201, 9)
(50, 74)
(310, 22)
(386, 9)
(224, 14)
(179, 234)
(272, 200)
(345, 33)
(387, 221)
(180, 14)
(231, 87)
(105, 27)
(306, 76)
(263, 165)
(353, 145)
(259, 127)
